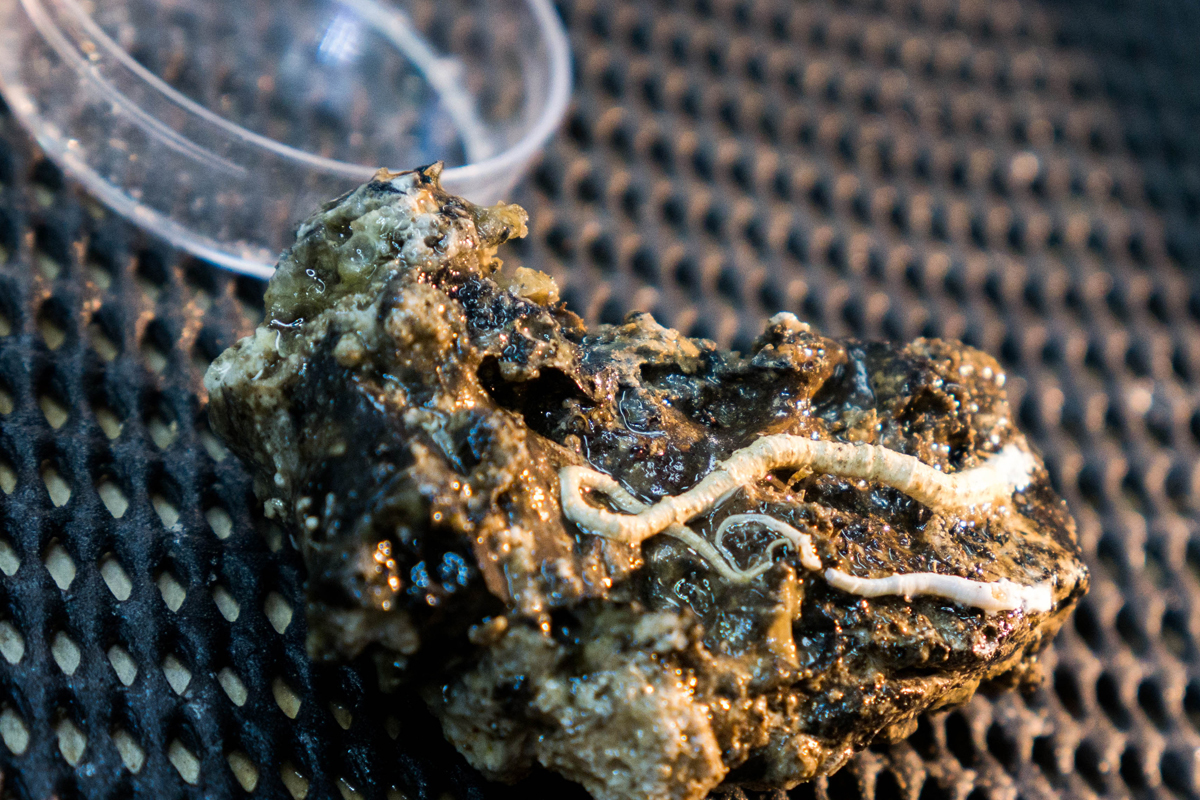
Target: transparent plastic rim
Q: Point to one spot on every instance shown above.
(549, 25)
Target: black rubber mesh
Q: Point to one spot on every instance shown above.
(1022, 175)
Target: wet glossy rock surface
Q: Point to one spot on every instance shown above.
(407, 407)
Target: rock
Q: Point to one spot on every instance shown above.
(646, 563)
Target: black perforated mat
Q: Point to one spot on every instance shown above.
(1022, 175)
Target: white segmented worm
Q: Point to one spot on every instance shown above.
(992, 482)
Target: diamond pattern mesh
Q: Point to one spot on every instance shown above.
(1022, 175)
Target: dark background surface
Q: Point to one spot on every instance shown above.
(1022, 175)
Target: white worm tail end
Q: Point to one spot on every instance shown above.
(990, 596)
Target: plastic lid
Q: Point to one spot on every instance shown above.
(221, 125)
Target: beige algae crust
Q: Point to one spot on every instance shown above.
(648, 564)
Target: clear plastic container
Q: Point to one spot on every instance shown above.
(220, 124)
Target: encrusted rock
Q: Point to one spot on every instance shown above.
(643, 562)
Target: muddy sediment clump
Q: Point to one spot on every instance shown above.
(643, 562)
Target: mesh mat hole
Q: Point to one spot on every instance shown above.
(123, 664)
(226, 603)
(115, 577)
(12, 643)
(50, 324)
(163, 428)
(47, 264)
(56, 486)
(273, 536)
(347, 791)
(296, 784)
(1132, 631)
(1089, 764)
(59, 564)
(959, 738)
(65, 652)
(55, 412)
(243, 770)
(101, 342)
(172, 592)
(156, 346)
(177, 674)
(1177, 774)
(10, 562)
(112, 497)
(1131, 769)
(843, 784)
(220, 522)
(167, 511)
(8, 475)
(233, 686)
(184, 761)
(278, 612)
(888, 787)
(286, 698)
(109, 421)
(1191, 704)
(216, 451)
(1088, 627)
(1175, 636)
(341, 715)
(1109, 696)
(1000, 745)
(13, 732)
(1044, 755)
(72, 742)
(99, 268)
(131, 753)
